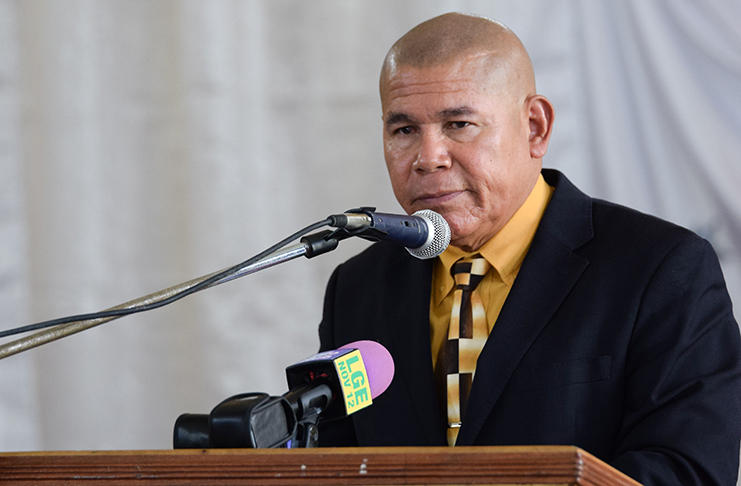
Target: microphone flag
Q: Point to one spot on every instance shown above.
(343, 366)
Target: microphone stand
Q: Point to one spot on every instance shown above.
(309, 246)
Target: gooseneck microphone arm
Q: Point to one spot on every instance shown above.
(425, 236)
(309, 246)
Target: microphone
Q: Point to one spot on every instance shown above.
(425, 234)
(327, 385)
(361, 370)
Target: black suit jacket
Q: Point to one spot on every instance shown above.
(617, 337)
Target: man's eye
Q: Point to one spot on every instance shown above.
(405, 130)
(457, 125)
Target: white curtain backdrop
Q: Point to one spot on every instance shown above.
(144, 143)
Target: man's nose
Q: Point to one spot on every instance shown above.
(433, 153)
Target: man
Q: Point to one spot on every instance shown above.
(608, 329)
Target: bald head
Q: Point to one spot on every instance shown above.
(455, 37)
(464, 130)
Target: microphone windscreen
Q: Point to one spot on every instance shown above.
(378, 364)
(438, 237)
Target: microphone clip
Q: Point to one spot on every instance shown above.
(328, 240)
(350, 224)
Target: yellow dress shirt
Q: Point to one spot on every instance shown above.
(505, 251)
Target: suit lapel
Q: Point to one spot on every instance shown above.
(410, 284)
(546, 277)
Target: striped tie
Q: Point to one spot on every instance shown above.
(467, 335)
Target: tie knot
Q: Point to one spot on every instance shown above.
(468, 272)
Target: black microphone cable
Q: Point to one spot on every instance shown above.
(169, 300)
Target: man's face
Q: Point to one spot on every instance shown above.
(456, 142)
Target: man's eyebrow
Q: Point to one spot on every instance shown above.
(456, 112)
(396, 118)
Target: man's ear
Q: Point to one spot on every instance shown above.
(540, 113)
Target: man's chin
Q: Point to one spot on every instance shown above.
(467, 235)
(465, 241)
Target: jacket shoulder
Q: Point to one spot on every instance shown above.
(575, 218)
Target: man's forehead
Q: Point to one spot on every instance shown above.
(460, 68)
(411, 87)
(462, 59)
(467, 74)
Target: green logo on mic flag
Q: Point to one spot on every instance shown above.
(354, 379)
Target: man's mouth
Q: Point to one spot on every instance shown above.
(438, 198)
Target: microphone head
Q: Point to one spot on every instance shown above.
(438, 236)
(378, 363)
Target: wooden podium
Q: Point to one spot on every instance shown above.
(540, 465)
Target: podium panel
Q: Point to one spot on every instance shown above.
(539, 465)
